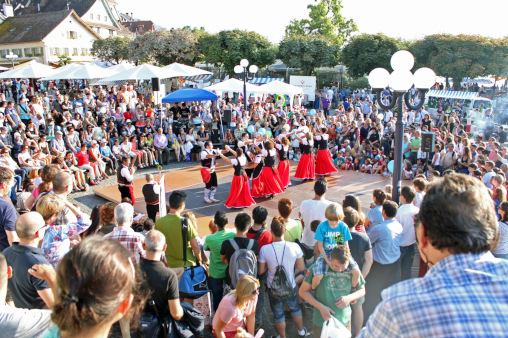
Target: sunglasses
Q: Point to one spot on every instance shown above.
(255, 292)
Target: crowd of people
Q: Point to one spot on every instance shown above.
(65, 273)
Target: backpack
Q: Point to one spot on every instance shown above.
(281, 285)
(243, 262)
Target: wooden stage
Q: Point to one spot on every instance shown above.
(189, 180)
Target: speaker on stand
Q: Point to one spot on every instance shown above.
(428, 144)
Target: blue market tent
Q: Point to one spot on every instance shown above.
(190, 94)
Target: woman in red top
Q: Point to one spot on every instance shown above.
(128, 114)
(84, 163)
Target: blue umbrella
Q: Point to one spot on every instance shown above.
(190, 94)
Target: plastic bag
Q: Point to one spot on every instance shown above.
(332, 328)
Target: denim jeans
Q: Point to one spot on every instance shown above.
(217, 285)
(261, 298)
(277, 306)
(407, 255)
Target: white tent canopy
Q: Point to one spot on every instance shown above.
(120, 67)
(142, 72)
(78, 72)
(277, 87)
(232, 85)
(31, 70)
(3, 68)
(192, 73)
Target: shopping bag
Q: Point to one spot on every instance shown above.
(332, 328)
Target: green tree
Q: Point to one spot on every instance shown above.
(63, 60)
(165, 47)
(227, 48)
(308, 52)
(459, 56)
(365, 52)
(111, 49)
(325, 20)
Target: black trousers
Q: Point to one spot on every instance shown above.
(381, 276)
(151, 210)
(213, 181)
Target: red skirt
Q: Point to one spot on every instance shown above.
(324, 163)
(239, 195)
(283, 170)
(205, 174)
(305, 169)
(268, 183)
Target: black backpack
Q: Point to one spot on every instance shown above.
(281, 285)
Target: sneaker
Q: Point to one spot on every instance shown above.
(257, 326)
(305, 334)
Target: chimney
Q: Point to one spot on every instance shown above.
(132, 16)
(8, 9)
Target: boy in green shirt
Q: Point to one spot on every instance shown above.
(213, 243)
(333, 295)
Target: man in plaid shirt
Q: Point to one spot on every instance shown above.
(123, 232)
(465, 291)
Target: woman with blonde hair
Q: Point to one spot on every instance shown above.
(97, 284)
(235, 306)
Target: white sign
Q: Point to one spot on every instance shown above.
(307, 83)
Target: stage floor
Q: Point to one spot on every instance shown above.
(189, 180)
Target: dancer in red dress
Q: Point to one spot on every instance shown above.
(306, 169)
(324, 162)
(256, 165)
(270, 180)
(284, 166)
(239, 195)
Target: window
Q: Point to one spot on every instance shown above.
(91, 16)
(57, 51)
(98, 17)
(98, 30)
(75, 51)
(17, 52)
(66, 51)
(72, 35)
(3, 53)
(84, 52)
(37, 51)
(106, 18)
(28, 52)
(110, 32)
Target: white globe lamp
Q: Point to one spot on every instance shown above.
(379, 78)
(402, 60)
(244, 63)
(253, 69)
(424, 78)
(401, 80)
(238, 69)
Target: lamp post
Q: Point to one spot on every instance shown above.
(11, 57)
(400, 81)
(242, 69)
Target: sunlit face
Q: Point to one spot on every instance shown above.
(338, 266)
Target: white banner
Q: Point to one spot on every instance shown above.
(162, 197)
(307, 83)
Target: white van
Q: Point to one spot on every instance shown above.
(471, 99)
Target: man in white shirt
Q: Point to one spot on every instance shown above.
(290, 257)
(314, 209)
(405, 216)
(489, 165)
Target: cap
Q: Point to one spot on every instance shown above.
(128, 121)
(104, 141)
(94, 142)
(58, 132)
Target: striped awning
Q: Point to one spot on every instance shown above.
(203, 77)
(262, 80)
(452, 94)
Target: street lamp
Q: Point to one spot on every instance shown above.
(11, 57)
(400, 81)
(242, 69)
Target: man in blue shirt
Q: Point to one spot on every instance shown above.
(8, 215)
(385, 239)
(464, 293)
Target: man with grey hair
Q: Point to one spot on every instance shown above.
(123, 233)
(160, 142)
(162, 281)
